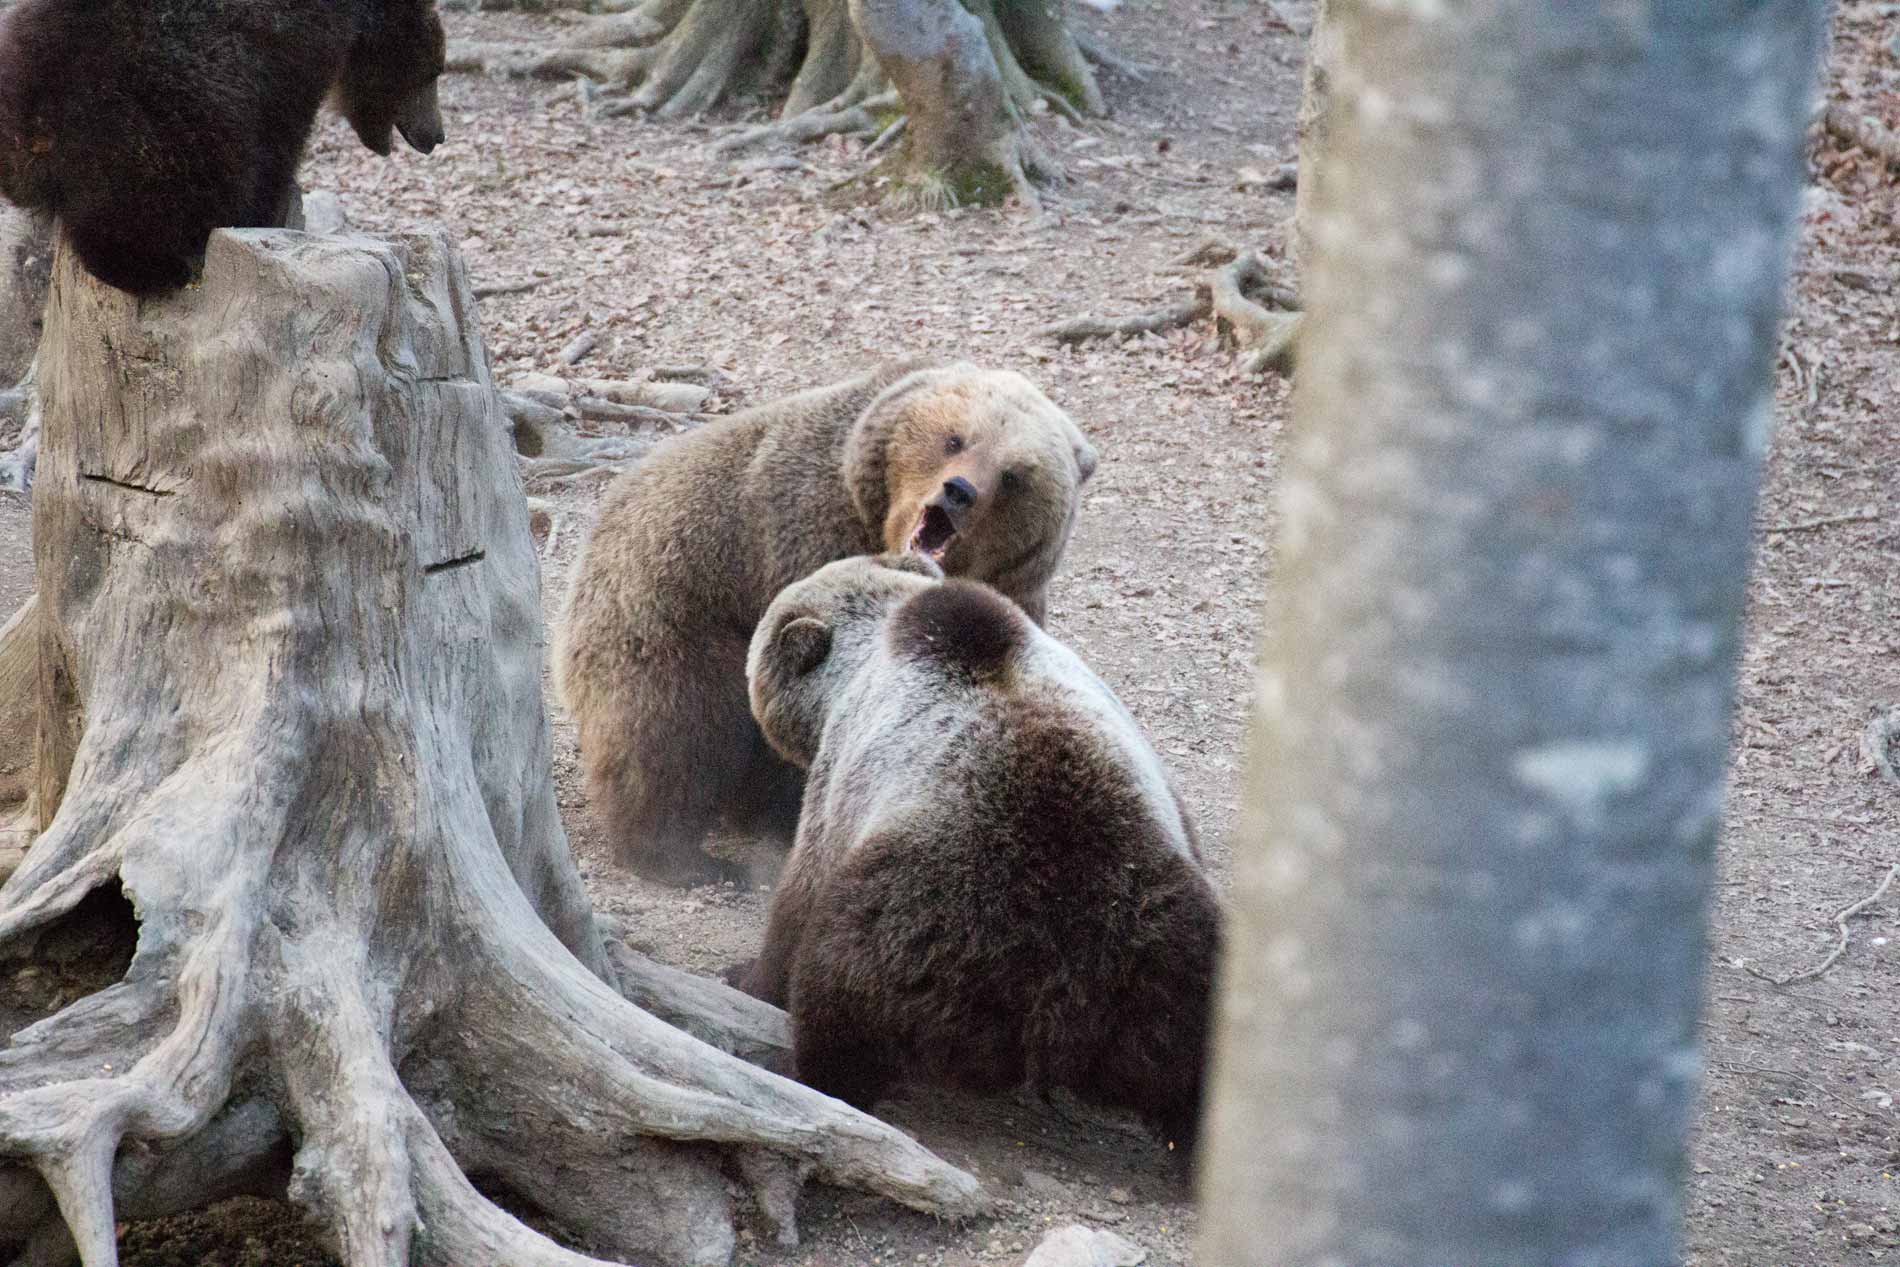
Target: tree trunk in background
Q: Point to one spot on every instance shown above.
(1470, 897)
(1311, 125)
(26, 264)
(964, 73)
(962, 146)
(289, 677)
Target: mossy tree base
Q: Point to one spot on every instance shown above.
(951, 82)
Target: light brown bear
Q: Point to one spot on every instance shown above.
(974, 468)
(994, 883)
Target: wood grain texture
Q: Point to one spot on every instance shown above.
(290, 691)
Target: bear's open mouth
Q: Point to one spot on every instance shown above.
(934, 533)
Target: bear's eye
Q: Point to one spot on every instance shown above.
(1011, 477)
(953, 444)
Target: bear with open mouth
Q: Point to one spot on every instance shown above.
(975, 469)
(994, 882)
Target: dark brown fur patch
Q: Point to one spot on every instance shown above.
(1042, 929)
(967, 628)
(138, 189)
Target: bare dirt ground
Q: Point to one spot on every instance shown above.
(625, 229)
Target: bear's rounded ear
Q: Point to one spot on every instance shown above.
(1085, 457)
(803, 644)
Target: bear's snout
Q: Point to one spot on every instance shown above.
(958, 495)
(420, 120)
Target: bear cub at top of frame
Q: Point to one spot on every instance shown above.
(142, 125)
(973, 468)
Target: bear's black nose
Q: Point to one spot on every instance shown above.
(959, 493)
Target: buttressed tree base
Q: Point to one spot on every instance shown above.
(307, 911)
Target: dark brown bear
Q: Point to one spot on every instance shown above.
(144, 124)
(975, 468)
(994, 883)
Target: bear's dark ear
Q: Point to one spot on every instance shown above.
(803, 644)
(962, 626)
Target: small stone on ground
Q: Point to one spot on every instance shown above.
(1078, 1246)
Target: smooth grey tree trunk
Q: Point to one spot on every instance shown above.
(1459, 1014)
(289, 684)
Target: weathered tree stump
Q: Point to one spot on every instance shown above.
(290, 708)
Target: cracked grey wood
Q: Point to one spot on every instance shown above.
(290, 680)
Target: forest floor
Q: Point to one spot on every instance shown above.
(626, 229)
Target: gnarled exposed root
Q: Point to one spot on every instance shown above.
(462, 1226)
(709, 1010)
(241, 1152)
(1172, 317)
(605, 65)
(19, 688)
(705, 57)
(1236, 294)
(570, 459)
(1071, 91)
(1108, 59)
(534, 1015)
(689, 58)
(303, 649)
(635, 28)
(1265, 338)
(554, 455)
(866, 119)
(838, 85)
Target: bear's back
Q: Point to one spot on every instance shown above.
(1026, 911)
(734, 511)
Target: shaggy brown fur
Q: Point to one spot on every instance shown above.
(144, 124)
(994, 883)
(975, 467)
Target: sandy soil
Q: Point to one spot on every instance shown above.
(630, 232)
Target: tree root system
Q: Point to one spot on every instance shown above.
(1252, 309)
(294, 768)
(545, 416)
(676, 58)
(1865, 133)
